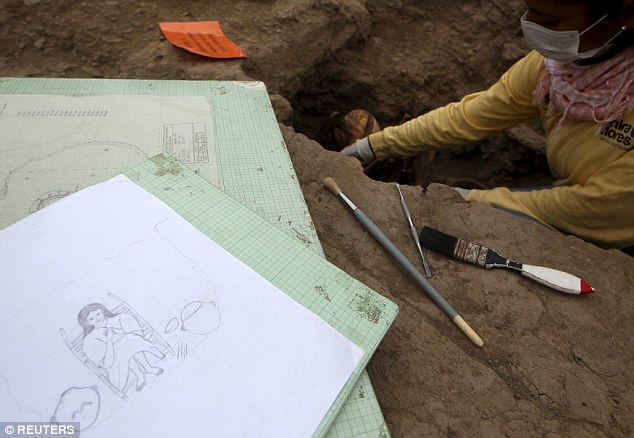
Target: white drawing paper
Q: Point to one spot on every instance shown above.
(53, 146)
(119, 314)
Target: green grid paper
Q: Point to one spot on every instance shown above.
(254, 165)
(352, 308)
(255, 169)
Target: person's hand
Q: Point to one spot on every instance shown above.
(461, 191)
(361, 150)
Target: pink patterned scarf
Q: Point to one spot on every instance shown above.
(599, 93)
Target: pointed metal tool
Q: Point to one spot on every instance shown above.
(408, 215)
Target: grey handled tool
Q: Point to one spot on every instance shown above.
(412, 228)
(405, 263)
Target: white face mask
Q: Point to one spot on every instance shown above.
(561, 45)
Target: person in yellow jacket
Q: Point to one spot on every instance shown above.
(580, 80)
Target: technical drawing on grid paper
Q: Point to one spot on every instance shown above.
(53, 147)
(63, 172)
(40, 181)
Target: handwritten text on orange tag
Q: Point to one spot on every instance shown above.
(201, 37)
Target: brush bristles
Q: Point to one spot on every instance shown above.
(332, 185)
(438, 241)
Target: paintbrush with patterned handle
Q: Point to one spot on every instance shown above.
(480, 255)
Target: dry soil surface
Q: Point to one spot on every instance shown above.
(552, 364)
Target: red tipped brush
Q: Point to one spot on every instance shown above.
(481, 255)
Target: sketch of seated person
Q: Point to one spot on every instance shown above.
(119, 346)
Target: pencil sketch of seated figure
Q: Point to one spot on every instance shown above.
(118, 345)
(115, 342)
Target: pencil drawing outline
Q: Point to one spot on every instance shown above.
(137, 363)
(127, 146)
(82, 402)
(178, 346)
(200, 317)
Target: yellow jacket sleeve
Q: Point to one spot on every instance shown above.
(593, 193)
(600, 211)
(506, 103)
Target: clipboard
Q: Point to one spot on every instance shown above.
(255, 170)
(153, 259)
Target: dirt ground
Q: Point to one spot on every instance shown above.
(552, 364)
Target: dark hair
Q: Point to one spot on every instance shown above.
(83, 314)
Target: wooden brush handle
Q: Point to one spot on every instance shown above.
(467, 330)
(558, 280)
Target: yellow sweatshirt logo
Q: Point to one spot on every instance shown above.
(618, 134)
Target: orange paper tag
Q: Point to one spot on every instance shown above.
(201, 37)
